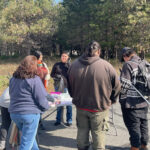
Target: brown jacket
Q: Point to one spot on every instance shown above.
(93, 83)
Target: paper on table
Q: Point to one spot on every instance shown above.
(64, 98)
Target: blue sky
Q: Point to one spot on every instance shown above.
(58, 1)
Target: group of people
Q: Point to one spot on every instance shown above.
(93, 85)
(28, 90)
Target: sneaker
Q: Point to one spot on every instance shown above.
(57, 123)
(68, 124)
(2, 144)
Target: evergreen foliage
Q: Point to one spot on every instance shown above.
(26, 25)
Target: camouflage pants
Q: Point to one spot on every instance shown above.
(94, 122)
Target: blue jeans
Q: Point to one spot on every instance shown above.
(28, 125)
(59, 111)
(68, 114)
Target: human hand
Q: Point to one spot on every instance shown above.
(50, 98)
(50, 103)
(57, 101)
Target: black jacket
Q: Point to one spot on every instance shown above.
(60, 70)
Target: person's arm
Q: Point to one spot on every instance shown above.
(40, 94)
(125, 78)
(69, 80)
(47, 77)
(53, 72)
(116, 87)
(42, 72)
(126, 73)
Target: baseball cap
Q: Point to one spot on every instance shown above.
(125, 50)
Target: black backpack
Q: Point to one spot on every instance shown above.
(141, 79)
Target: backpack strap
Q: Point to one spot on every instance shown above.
(134, 71)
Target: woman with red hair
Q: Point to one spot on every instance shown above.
(27, 101)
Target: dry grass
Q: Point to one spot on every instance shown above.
(7, 67)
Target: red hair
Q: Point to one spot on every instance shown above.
(27, 68)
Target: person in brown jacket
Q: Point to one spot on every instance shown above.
(94, 86)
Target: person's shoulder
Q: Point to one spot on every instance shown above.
(33, 80)
(12, 78)
(132, 62)
(44, 64)
(36, 78)
(105, 62)
(57, 64)
(127, 65)
(75, 62)
(107, 65)
(11, 81)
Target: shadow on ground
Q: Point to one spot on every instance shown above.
(117, 148)
(49, 126)
(49, 140)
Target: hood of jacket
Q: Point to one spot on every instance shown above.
(88, 60)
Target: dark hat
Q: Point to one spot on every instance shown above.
(125, 50)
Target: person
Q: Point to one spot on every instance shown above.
(43, 70)
(6, 120)
(43, 73)
(27, 101)
(134, 108)
(59, 71)
(94, 87)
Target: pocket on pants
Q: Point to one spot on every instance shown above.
(99, 121)
(105, 124)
